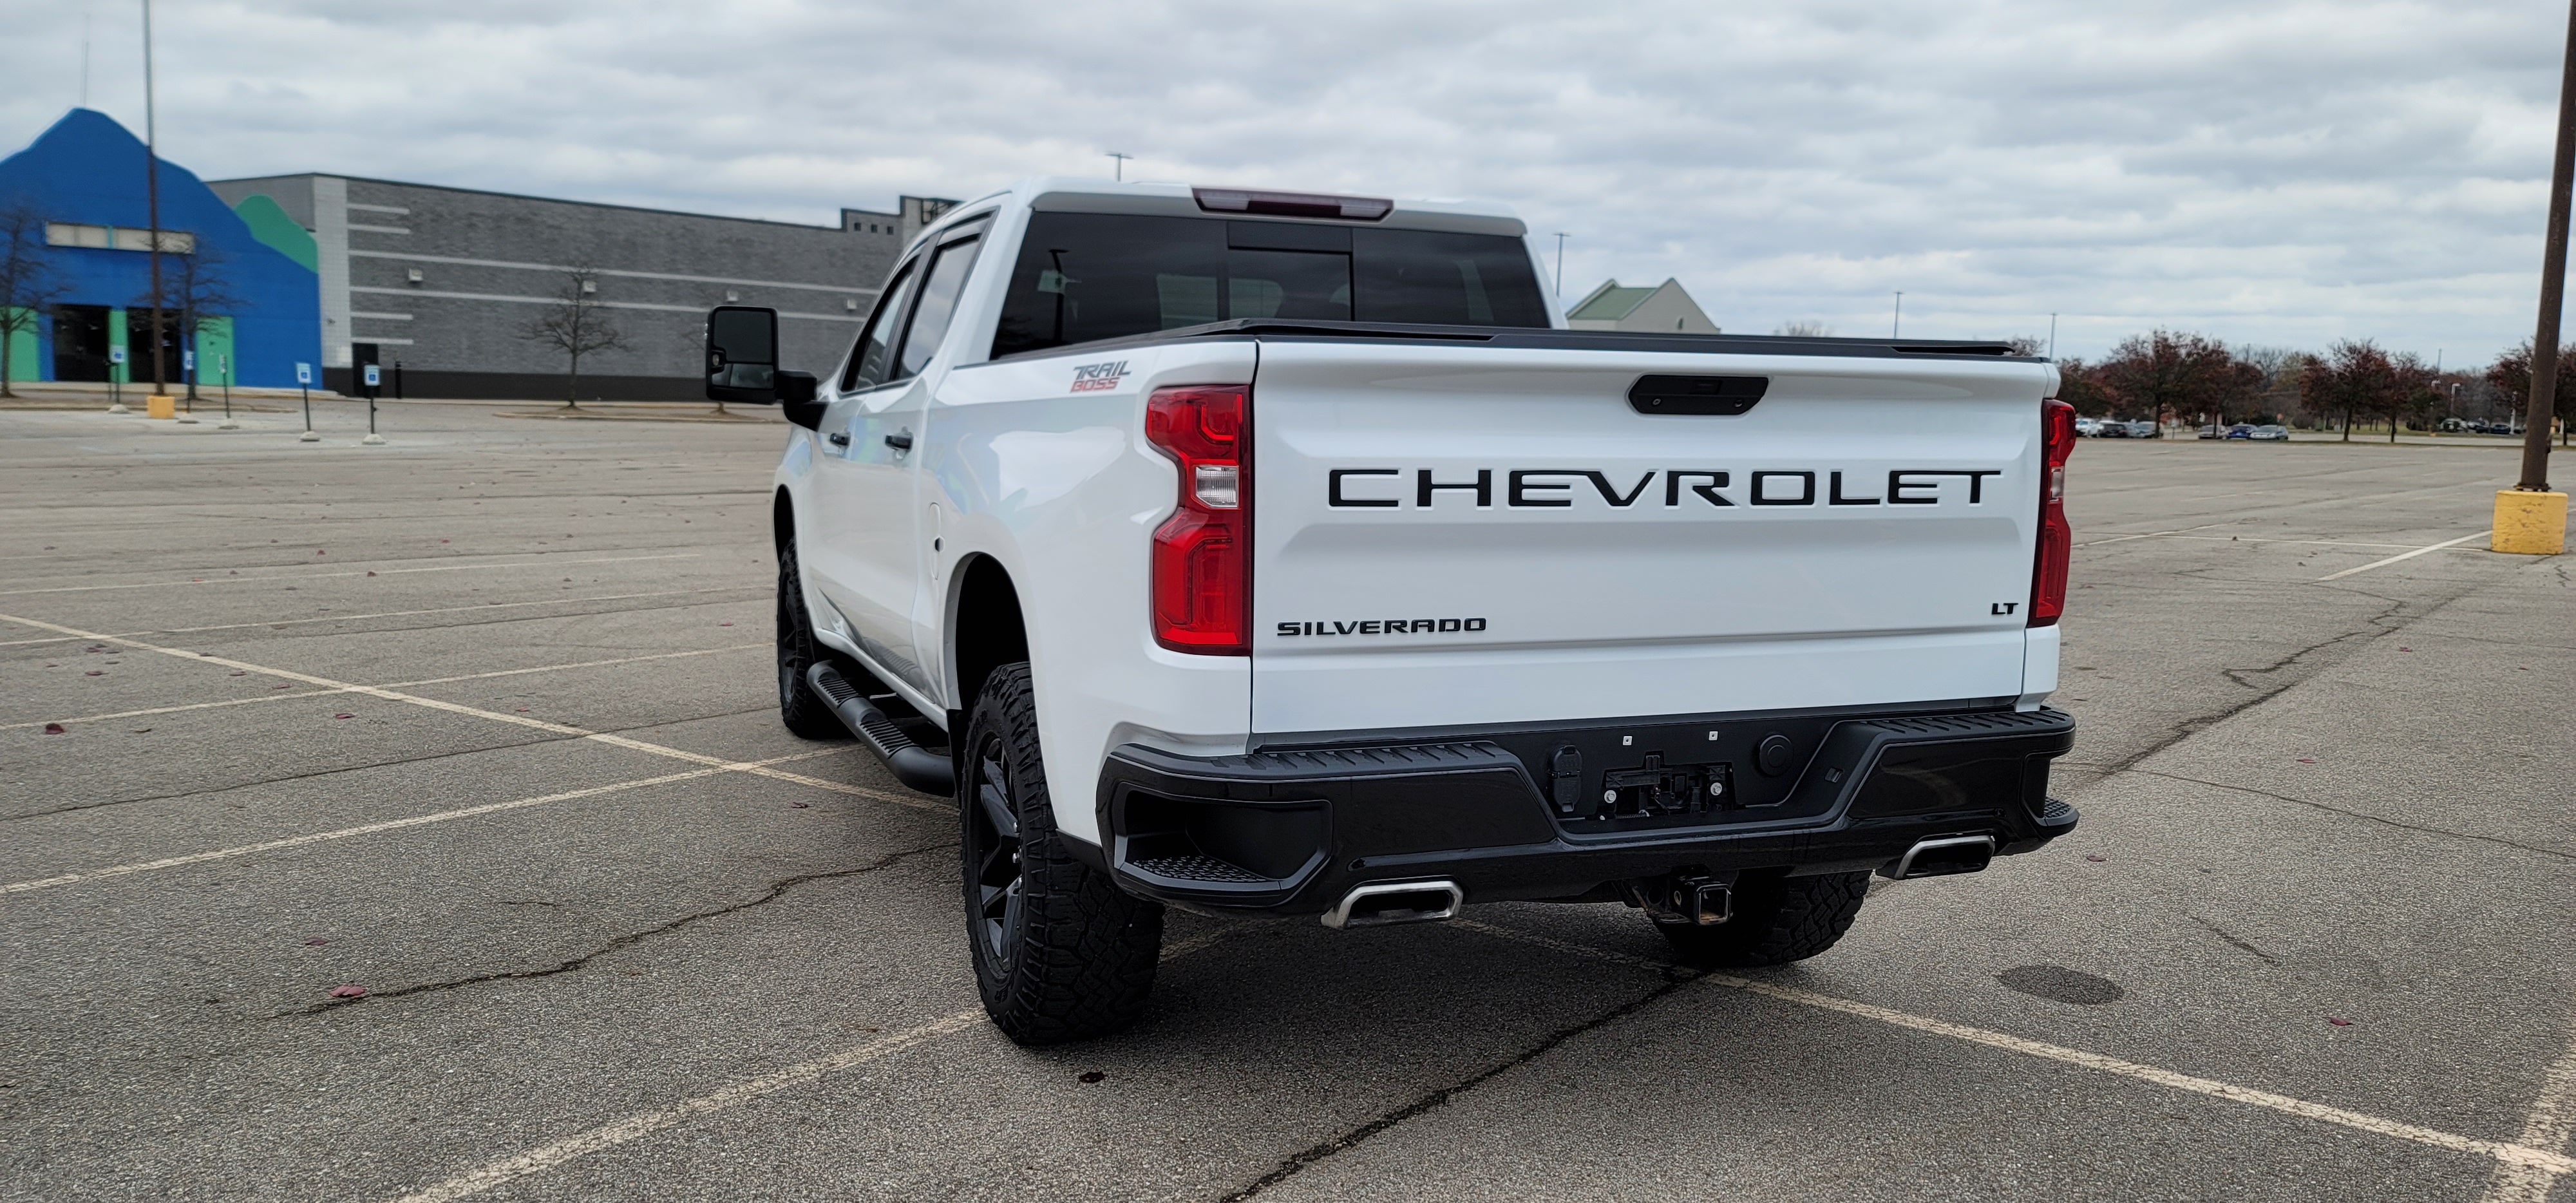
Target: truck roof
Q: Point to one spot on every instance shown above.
(1086, 194)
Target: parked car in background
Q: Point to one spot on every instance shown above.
(2271, 434)
(2142, 429)
(2111, 429)
(2088, 427)
(2241, 430)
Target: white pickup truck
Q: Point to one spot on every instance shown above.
(1269, 553)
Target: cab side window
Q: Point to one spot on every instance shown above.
(874, 354)
(940, 287)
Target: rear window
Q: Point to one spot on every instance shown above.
(1086, 276)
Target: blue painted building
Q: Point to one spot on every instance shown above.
(84, 177)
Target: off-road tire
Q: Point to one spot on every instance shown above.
(805, 714)
(1071, 956)
(1777, 920)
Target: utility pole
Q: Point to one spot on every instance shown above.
(1120, 169)
(1560, 267)
(2530, 517)
(152, 202)
(1895, 328)
(2052, 337)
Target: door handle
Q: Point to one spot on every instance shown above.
(837, 440)
(900, 442)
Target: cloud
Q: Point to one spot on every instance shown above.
(2286, 172)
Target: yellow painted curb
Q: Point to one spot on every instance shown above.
(158, 406)
(2531, 524)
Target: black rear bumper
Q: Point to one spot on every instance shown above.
(1568, 812)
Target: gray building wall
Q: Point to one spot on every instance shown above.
(446, 281)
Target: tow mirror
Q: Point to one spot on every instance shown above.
(742, 365)
(742, 355)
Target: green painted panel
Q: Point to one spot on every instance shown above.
(22, 354)
(214, 352)
(120, 372)
(270, 224)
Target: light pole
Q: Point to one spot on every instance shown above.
(1119, 172)
(1560, 267)
(2531, 517)
(1895, 328)
(158, 405)
(2052, 337)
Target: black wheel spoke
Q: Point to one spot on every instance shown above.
(993, 831)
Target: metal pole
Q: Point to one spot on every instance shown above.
(1560, 267)
(152, 201)
(2553, 282)
(1894, 328)
(2052, 336)
(1121, 168)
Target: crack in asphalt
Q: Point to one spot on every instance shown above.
(769, 894)
(2360, 814)
(2224, 934)
(1297, 1163)
(2379, 625)
(360, 768)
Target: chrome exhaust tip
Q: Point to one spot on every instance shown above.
(1381, 903)
(1942, 857)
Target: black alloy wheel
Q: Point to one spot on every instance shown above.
(1060, 953)
(799, 707)
(993, 853)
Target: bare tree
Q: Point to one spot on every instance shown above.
(575, 324)
(2026, 345)
(2511, 375)
(196, 294)
(2172, 373)
(28, 282)
(1805, 329)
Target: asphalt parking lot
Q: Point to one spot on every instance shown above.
(482, 723)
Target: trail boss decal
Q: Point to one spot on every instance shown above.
(1098, 377)
(1556, 488)
(1381, 626)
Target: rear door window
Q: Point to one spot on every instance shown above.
(1086, 276)
(939, 289)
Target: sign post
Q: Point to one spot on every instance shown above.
(375, 382)
(304, 384)
(188, 369)
(224, 369)
(116, 381)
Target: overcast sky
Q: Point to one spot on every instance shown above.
(2262, 172)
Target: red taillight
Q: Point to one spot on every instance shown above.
(1202, 554)
(2056, 539)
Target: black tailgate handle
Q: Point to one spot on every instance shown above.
(1696, 396)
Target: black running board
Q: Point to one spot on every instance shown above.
(914, 765)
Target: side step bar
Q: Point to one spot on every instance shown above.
(911, 764)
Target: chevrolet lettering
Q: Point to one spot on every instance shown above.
(1558, 488)
(1266, 553)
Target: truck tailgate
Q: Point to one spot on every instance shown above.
(1455, 535)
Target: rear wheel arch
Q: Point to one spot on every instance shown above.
(986, 626)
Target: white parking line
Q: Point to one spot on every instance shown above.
(2552, 1121)
(516, 720)
(548, 601)
(315, 693)
(317, 576)
(2544, 1161)
(2154, 534)
(645, 1123)
(318, 837)
(2334, 576)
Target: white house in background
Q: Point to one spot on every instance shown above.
(1665, 307)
